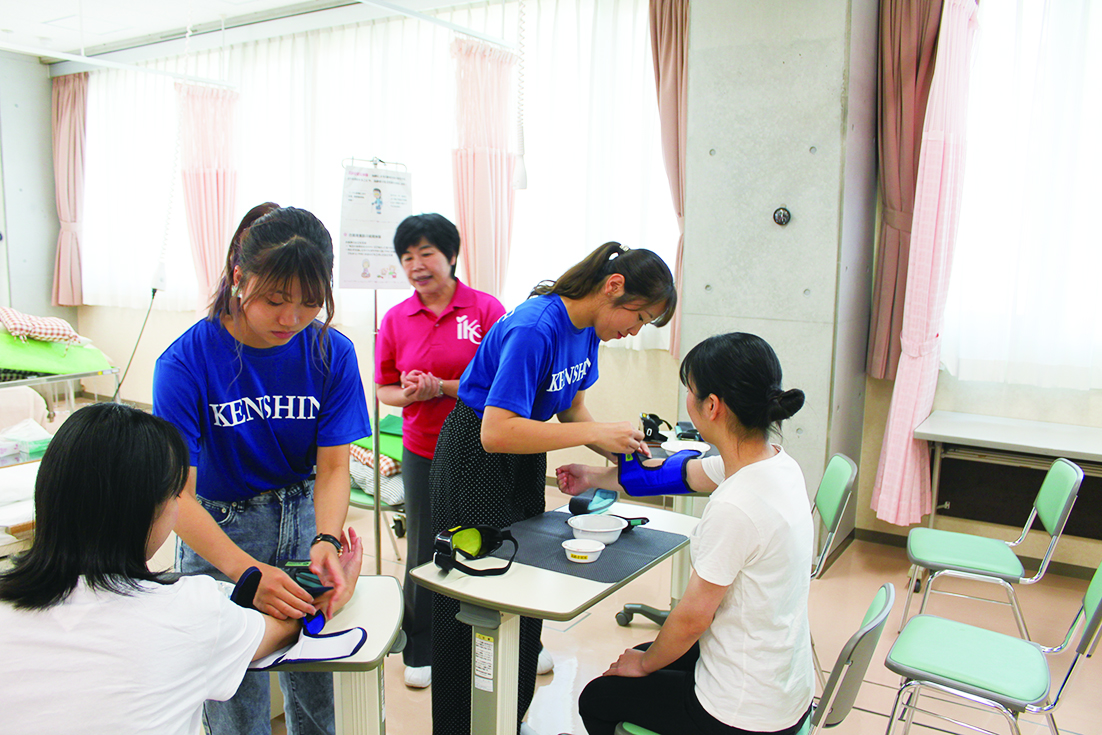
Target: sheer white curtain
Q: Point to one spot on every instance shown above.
(592, 145)
(1023, 303)
(387, 89)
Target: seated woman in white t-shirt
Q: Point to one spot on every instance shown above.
(91, 641)
(734, 656)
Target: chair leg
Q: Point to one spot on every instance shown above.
(393, 539)
(1052, 723)
(909, 594)
(1017, 611)
(818, 666)
(896, 708)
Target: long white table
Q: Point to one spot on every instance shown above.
(998, 440)
(492, 606)
(359, 700)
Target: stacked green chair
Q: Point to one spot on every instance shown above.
(965, 556)
(831, 499)
(845, 678)
(981, 668)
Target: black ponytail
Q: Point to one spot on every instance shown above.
(646, 278)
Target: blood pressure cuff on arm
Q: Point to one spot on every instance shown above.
(667, 478)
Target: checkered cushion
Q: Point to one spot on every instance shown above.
(387, 468)
(44, 328)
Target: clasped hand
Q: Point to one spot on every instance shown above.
(420, 386)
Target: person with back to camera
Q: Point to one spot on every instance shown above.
(734, 655)
(92, 641)
(424, 345)
(264, 394)
(490, 462)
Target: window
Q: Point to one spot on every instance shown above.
(1023, 303)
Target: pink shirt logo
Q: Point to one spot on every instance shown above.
(469, 330)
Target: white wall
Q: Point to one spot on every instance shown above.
(30, 213)
(781, 114)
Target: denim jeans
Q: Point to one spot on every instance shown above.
(273, 528)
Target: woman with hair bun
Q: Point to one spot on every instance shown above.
(734, 656)
(268, 399)
(490, 463)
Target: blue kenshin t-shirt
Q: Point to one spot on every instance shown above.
(254, 418)
(532, 362)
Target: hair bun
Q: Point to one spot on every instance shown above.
(783, 404)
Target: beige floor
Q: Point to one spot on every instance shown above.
(584, 647)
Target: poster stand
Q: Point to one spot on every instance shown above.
(362, 234)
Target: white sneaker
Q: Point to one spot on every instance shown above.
(526, 729)
(418, 677)
(545, 664)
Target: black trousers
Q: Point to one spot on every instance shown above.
(417, 621)
(471, 487)
(664, 701)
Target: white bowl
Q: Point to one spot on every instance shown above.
(582, 550)
(605, 529)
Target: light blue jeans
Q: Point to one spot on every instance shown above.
(273, 528)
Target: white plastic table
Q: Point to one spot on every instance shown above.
(492, 606)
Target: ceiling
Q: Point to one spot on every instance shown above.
(102, 26)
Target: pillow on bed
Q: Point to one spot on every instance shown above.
(44, 328)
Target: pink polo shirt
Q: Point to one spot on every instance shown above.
(413, 338)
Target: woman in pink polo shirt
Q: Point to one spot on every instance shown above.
(423, 347)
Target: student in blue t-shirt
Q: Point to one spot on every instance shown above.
(268, 400)
(490, 462)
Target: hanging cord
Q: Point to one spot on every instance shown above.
(520, 176)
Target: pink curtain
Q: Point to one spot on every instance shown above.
(209, 179)
(669, 40)
(908, 42)
(483, 166)
(901, 494)
(70, 103)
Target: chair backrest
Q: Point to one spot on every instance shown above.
(1057, 495)
(1092, 610)
(831, 498)
(849, 670)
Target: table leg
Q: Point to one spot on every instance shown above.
(935, 480)
(359, 702)
(495, 663)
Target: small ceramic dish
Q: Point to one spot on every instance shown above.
(582, 550)
(603, 528)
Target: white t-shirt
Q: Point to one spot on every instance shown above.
(756, 537)
(102, 662)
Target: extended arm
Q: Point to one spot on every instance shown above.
(506, 432)
(282, 633)
(577, 478)
(684, 626)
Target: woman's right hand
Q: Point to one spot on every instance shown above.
(280, 596)
(621, 438)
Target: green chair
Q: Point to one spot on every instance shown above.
(984, 669)
(831, 499)
(964, 556)
(845, 678)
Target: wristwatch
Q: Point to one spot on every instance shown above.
(330, 538)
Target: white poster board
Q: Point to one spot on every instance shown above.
(374, 201)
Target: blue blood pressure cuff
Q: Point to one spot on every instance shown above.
(667, 478)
